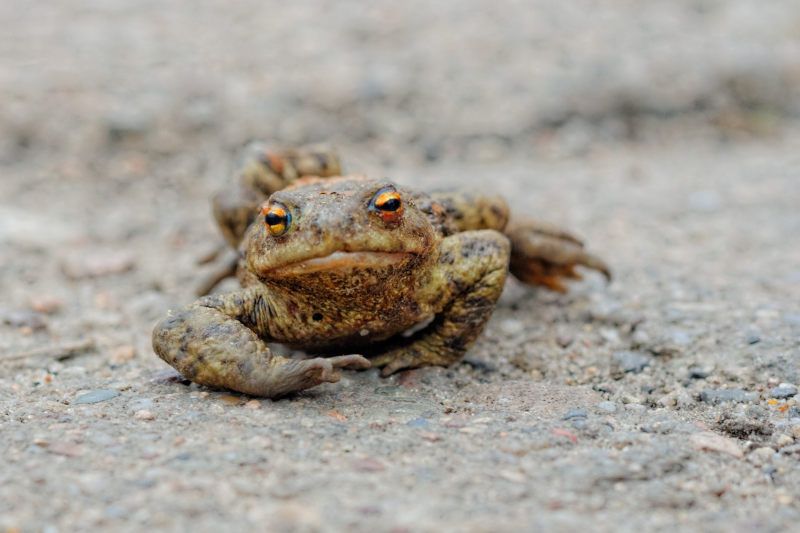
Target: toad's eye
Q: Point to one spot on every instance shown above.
(277, 218)
(387, 203)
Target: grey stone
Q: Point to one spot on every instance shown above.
(727, 395)
(783, 391)
(575, 414)
(608, 407)
(96, 396)
(628, 362)
(418, 423)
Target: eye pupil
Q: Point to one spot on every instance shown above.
(273, 219)
(277, 219)
(392, 204)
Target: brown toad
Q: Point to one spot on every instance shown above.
(333, 263)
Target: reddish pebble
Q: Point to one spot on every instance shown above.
(46, 304)
(230, 400)
(409, 378)
(563, 341)
(122, 354)
(67, 449)
(429, 436)
(564, 433)
(367, 465)
(143, 414)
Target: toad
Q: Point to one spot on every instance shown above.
(332, 264)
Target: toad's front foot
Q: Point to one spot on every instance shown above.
(408, 358)
(210, 344)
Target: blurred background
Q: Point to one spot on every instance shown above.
(467, 80)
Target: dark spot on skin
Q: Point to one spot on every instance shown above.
(245, 366)
(316, 317)
(458, 344)
(457, 284)
(497, 212)
(213, 302)
(479, 248)
(447, 258)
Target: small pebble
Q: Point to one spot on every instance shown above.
(725, 395)
(230, 399)
(367, 465)
(563, 341)
(122, 354)
(67, 449)
(575, 414)
(756, 411)
(784, 440)
(564, 433)
(418, 423)
(783, 497)
(704, 200)
(609, 407)
(97, 263)
(143, 414)
(253, 405)
(140, 403)
(755, 339)
(431, 437)
(761, 455)
(696, 373)
(25, 319)
(628, 362)
(713, 442)
(96, 396)
(46, 304)
(783, 391)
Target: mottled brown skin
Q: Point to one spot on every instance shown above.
(348, 275)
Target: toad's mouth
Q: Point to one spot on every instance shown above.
(342, 261)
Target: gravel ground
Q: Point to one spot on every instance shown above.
(667, 136)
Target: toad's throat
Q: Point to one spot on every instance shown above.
(342, 261)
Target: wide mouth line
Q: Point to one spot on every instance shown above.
(342, 260)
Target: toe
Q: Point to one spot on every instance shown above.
(350, 361)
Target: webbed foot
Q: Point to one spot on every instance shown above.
(542, 254)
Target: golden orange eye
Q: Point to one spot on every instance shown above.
(388, 204)
(277, 218)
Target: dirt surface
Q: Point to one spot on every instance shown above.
(666, 136)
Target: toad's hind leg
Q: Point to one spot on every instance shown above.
(542, 254)
(214, 342)
(473, 269)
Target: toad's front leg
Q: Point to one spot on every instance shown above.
(214, 342)
(470, 276)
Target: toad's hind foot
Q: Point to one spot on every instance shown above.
(545, 255)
